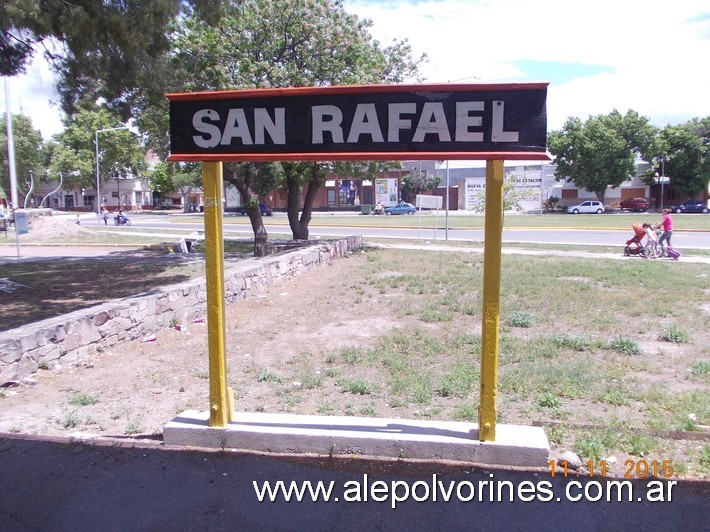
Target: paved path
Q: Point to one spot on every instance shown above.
(8, 254)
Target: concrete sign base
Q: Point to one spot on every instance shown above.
(395, 438)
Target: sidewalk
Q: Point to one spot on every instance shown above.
(36, 252)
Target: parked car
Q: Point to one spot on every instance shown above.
(635, 204)
(401, 208)
(691, 206)
(263, 207)
(587, 207)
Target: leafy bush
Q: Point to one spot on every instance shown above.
(701, 368)
(83, 400)
(675, 334)
(625, 346)
(566, 341)
(355, 386)
(267, 376)
(548, 400)
(552, 202)
(521, 319)
(591, 447)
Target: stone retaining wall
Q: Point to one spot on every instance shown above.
(71, 337)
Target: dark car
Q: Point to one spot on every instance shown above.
(635, 204)
(401, 208)
(263, 207)
(691, 206)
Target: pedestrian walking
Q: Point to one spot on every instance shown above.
(104, 213)
(667, 224)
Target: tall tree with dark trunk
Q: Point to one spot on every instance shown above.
(252, 180)
(128, 53)
(281, 43)
(299, 176)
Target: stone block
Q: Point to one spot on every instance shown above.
(66, 338)
(48, 353)
(28, 341)
(71, 342)
(9, 351)
(27, 365)
(101, 318)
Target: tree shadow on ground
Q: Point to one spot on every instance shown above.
(66, 284)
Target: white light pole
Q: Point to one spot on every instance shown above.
(98, 191)
(11, 150)
(663, 179)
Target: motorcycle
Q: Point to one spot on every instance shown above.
(121, 220)
(377, 210)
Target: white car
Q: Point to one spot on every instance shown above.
(587, 207)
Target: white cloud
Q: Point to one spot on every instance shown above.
(655, 52)
(34, 94)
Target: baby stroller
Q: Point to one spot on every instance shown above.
(633, 245)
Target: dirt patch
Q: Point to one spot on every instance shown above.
(52, 228)
(317, 344)
(137, 387)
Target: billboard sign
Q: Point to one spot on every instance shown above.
(429, 202)
(386, 191)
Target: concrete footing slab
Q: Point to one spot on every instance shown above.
(394, 438)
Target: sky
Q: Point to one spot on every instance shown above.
(651, 56)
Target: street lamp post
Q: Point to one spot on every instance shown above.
(98, 191)
(663, 178)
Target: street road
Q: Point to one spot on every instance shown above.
(581, 237)
(56, 485)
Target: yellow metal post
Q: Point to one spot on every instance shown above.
(487, 409)
(221, 397)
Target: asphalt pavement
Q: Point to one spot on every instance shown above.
(63, 486)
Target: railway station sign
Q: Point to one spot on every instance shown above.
(371, 122)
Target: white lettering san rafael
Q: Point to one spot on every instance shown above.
(237, 127)
(425, 123)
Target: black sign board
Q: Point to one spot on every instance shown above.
(473, 121)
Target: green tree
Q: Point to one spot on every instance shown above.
(29, 156)
(687, 156)
(167, 177)
(282, 43)
(121, 154)
(593, 154)
(417, 182)
(253, 180)
(99, 49)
